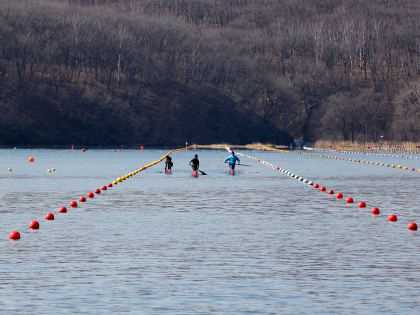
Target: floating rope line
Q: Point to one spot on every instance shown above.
(344, 159)
(15, 235)
(375, 211)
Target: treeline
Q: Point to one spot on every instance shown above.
(316, 69)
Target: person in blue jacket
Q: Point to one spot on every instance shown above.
(232, 160)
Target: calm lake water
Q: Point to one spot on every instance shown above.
(258, 242)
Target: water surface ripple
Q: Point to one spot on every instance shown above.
(257, 242)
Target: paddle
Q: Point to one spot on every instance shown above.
(242, 164)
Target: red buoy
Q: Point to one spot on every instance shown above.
(119, 150)
(349, 200)
(34, 225)
(73, 147)
(49, 216)
(141, 147)
(412, 226)
(339, 195)
(323, 188)
(278, 168)
(109, 185)
(413, 169)
(316, 186)
(73, 204)
(392, 218)
(31, 159)
(194, 173)
(90, 195)
(104, 188)
(331, 192)
(232, 172)
(83, 150)
(362, 204)
(97, 191)
(168, 171)
(15, 235)
(82, 199)
(62, 210)
(375, 211)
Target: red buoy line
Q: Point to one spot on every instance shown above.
(15, 235)
(375, 211)
(400, 167)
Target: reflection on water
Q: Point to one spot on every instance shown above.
(256, 242)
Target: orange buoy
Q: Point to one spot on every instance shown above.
(62, 210)
(349, 200)
(73, 204)
(97, 191)
(82, 199)
(34, 225)
(362, 204)
(49, 216)
(316, 186)
(104, 188)
(392, 218)
(375, 211)
(15, 235)
(110, 185)
(331, 192)
(323, 188)
(91, 195)
(31, 159)
(339, 195)
(412, 226)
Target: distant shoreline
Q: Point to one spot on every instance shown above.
(252, 146)
(222, 146)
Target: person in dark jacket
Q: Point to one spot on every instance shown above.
(195, 163)
(168, 163)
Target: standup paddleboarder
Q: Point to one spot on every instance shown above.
(168, 164)
(195, 163)
(232, 160)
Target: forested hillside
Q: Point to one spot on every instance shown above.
(205, 71)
